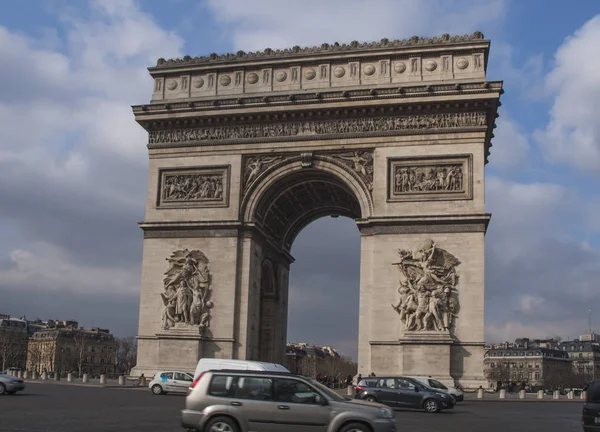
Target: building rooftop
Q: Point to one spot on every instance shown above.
(335, 48)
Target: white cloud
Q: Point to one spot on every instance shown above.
(47, 263)
(539, 278)
(510, 144)
(73, 160)
(285, 23)
(572, 135)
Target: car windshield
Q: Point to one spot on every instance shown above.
(330, 394)
(437, 385)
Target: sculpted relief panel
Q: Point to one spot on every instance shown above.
(428, 295)
(187, 291)
(194, 187)
(361, 162)
(430, 178)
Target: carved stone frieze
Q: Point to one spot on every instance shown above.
(324, 48)
(421, 179)
(361, 162)
(427, 290)
(187, 291)
(205, 187)
(311, 129)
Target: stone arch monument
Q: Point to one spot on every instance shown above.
(247, 149)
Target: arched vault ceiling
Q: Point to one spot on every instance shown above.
(298, 199)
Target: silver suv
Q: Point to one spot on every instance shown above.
(242, 401)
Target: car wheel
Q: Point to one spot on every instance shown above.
(431, 406)
(355, 427)
(2, 389)
(370, 399)
(157, 389)
(221, 424)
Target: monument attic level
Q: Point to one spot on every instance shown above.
(247, 149)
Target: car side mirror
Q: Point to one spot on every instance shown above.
(416, 389)
(320, 400)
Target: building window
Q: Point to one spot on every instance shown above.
(537, 375)
(521, 365)
(492, 364)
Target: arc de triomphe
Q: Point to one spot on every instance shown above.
(247, 149)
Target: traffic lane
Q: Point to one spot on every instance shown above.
(68, 408)
(64, 408)
(496, 417)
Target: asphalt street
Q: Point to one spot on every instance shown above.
(66, 408)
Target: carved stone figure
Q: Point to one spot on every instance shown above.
(256, 165)
(347, 126)
(187, 290)
(428, 296)
(361, 163)
(428, 178)
(192, 187)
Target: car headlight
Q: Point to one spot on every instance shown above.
(386, 413)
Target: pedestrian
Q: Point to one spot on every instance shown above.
(358, 379)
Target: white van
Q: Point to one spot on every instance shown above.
(435, 384)
(206, 364)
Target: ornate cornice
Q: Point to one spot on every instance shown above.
(320, 96)
(425, 225)
(335, 48)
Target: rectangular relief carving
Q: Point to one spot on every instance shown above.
(430, 178)
(193, 187)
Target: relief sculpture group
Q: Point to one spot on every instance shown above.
(187, 291)
(428, 178)
(428, 298)
(192, 187)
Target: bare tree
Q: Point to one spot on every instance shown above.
(559, 375)
(8, 348)
(126, 354)
(500, 372)
(80, 339)
(34, 356)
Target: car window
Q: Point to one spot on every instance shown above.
(437, 385)
(180, 376)
(253, 388)
(405, 384)
(386, 383)
(593, 392)
(166, 375)
(220, 385)
(287, 390)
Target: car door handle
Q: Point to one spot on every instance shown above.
(283, 407)
(236, 403)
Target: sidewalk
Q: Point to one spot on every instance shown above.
(92, 382)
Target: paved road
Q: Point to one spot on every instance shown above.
(62, 408)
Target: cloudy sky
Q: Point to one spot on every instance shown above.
(73, 162)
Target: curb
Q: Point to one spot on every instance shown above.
(90, 385)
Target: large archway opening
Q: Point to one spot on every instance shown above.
(322, 288)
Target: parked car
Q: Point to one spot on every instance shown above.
(10, 384)
(242, 401)
(404, 392)
(590, 417)
(458, 394)
(170, 382)
(206, 364)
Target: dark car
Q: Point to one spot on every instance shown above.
(402, 392)
(591, 409)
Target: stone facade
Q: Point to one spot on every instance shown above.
(247, 149)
